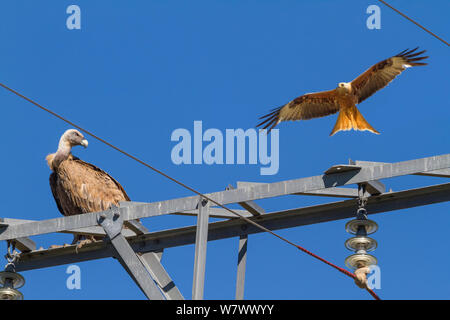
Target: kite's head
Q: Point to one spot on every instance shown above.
(344, 87)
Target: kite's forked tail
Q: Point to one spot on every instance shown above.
(351, 118)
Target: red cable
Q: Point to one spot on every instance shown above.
(351, 275)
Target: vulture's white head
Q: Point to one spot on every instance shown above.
(69, 139)
(72, 138)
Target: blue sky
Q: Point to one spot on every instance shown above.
(136, 71)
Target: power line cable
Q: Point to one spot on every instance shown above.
(416, 23)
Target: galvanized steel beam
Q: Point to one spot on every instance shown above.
(250, 206)
(136, 226)
(201, 241)
(442, 173)
(328, 192)
(92, 231)
(153, 265)
(112, 224)
(213, 212)
(236, 227)
(374, 187)
(24, 244)
(238, 195)
(242, 264)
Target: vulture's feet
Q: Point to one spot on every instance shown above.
(55, 246)
(83, 242)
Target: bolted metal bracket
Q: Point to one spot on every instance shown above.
(362, 195)
(112, 222)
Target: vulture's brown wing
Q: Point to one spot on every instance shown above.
(86, 188)
(53, 187)
(106, 175)
(308, 106)
(381, 74)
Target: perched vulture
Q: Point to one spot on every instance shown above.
(80, 187)
(346, 96)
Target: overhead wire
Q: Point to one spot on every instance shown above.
(413, 21)
(351, 275)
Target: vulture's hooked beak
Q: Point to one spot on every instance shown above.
(84, 143)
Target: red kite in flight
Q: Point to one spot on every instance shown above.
(345, 97)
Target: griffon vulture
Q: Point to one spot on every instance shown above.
(345, 97)
(80, 187)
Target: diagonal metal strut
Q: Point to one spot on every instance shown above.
(112, 224)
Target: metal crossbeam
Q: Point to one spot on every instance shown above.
(250, 206)
(136, 226)
(92, 231)
(268, 190)
(374, 187)
(213, 212)
(237, 227)
(328, 192)
(443, 173)
(24, 244)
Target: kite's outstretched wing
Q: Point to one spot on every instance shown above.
(308, 106)
(381, 74)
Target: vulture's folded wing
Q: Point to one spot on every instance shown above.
(308, 106)
(381, 74)
(53, 186)
(86, 188)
